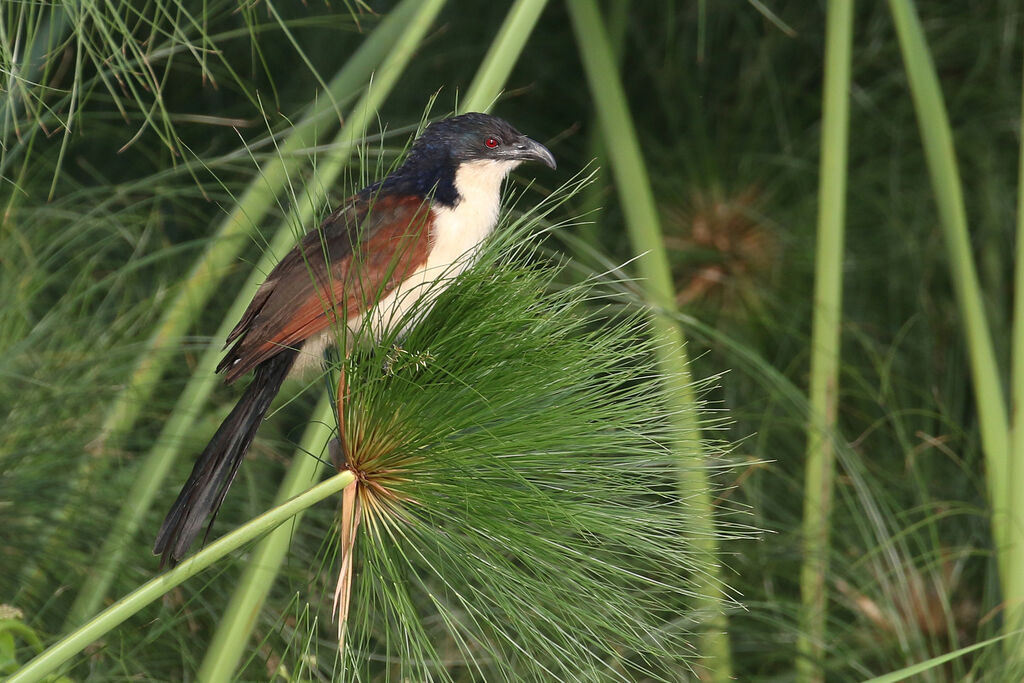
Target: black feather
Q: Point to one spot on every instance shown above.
(216, 468)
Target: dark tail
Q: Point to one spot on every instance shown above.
(216, 467)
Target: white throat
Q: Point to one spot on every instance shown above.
(460, 229)
(457, 234)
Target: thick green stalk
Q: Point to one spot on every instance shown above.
(202, 282)
(232, 637)
(1014, 584)
(158, 462)
(616, 20)
(638, 204)
(72, 644)
(941, 158)
(505, 49)
(825, 340)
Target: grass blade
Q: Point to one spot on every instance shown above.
(926, 666)
(825, 340)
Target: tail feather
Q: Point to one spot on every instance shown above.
(217, 466)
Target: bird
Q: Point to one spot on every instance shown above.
(376, 262)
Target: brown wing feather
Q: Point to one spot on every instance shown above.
(360, 253)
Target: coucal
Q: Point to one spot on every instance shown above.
(391, 247)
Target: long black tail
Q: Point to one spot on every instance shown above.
(216, 467)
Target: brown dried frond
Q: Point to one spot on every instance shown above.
(922, 598)
(374, 451)
(727, 249)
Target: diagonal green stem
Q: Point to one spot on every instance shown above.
(825, 340)
(159, 461)
(933, 664)
(72, 644)
(637, 197)
(940, 155)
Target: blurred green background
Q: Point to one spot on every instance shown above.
(131, 130)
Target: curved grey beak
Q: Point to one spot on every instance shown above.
(526, 149)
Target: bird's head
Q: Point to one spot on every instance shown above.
(480, 137)
(461, 157)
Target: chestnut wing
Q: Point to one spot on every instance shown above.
(361, 252)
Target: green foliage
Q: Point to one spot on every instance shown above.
(171, 110)
(527, 524)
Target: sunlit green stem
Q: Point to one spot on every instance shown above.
(825, 340)
(933, 664)
(72, 644)
(637, 198)
(502, 55)
(617, 20)
(1014, 584)
(232, 637)
(162, 456)
(940, 155)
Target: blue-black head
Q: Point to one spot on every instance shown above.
(478, 137)
(445, 145)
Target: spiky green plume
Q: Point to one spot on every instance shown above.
(518, 494)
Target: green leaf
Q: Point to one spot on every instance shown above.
(934, 662)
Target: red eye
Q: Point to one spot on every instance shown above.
(491, 142)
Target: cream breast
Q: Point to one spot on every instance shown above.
(456, 235)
